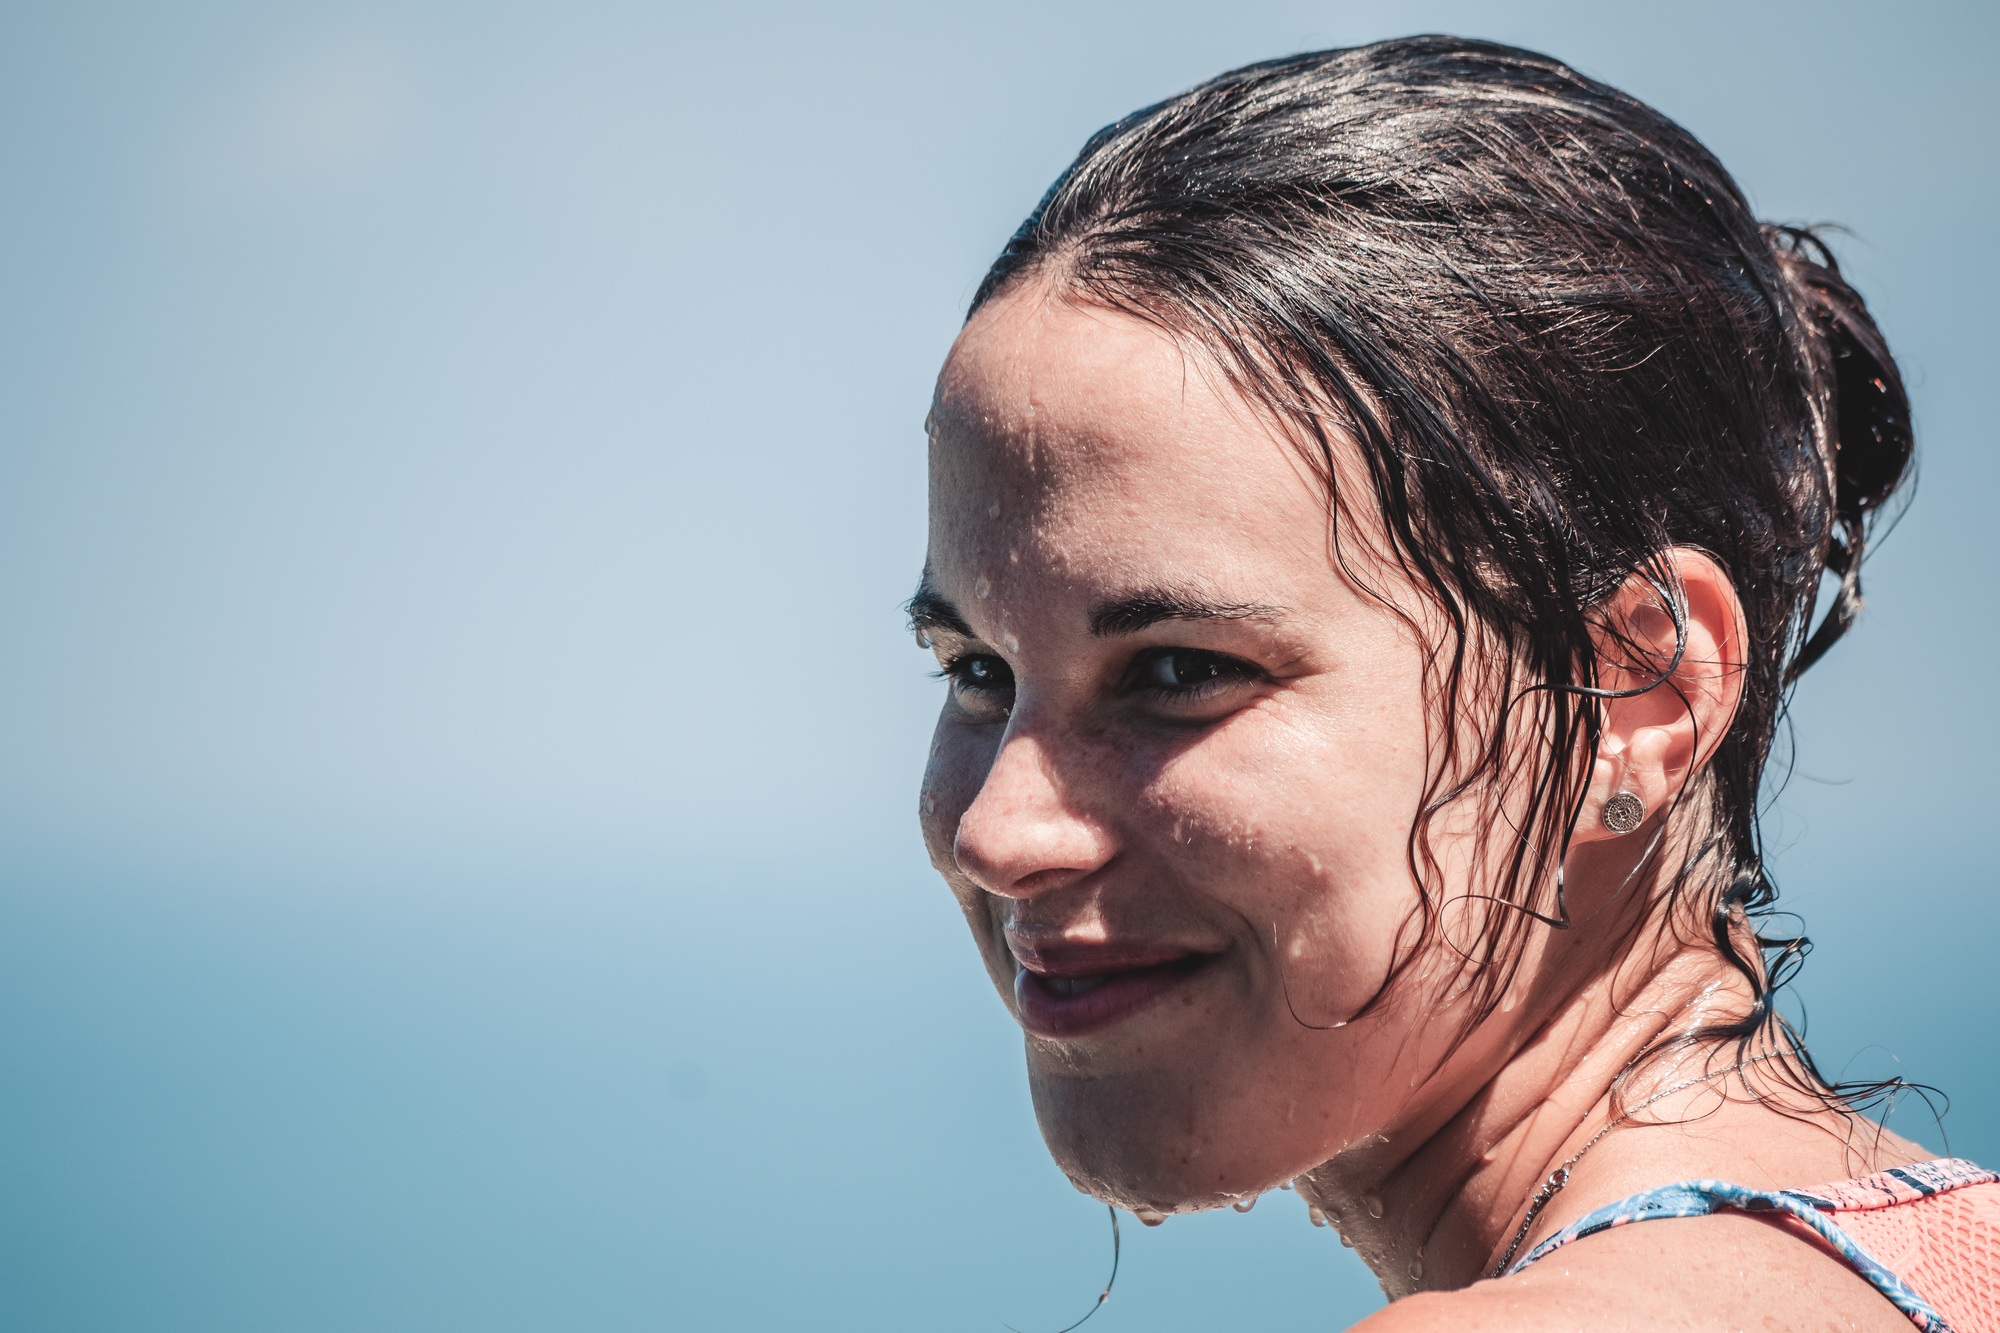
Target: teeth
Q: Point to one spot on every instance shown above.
(1072, 985)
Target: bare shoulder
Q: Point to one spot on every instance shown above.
(1487, 1307)
(1685, 1275)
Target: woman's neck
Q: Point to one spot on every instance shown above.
(1434, 1202)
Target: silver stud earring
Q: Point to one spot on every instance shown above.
(1623, 812)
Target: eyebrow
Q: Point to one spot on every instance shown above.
(932, 610)
(1153, 606)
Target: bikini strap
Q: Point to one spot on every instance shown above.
(1699, 1198)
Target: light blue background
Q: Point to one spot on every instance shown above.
(459, 467)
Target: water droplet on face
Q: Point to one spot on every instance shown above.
(1152, 1217)
(1318, 1217)
(993, 510)
(1373, 1202)
(1013, 644)
(1417, 1268)
(1345, 1241)
(930, 805)
(984, 588)
(1285, 1185)
(1245, 1204)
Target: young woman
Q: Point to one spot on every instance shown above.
(1379, 501)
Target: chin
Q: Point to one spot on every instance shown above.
(1150, 1147)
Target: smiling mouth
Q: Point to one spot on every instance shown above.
(1076, 1002)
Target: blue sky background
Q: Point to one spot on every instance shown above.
(459, 467)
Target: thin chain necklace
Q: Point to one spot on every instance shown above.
(1560, 1176)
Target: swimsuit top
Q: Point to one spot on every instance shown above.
(1926, 1236)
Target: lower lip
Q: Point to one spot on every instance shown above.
(1044, 1013)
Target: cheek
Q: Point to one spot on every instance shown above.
(960, 758)
(1300, 826)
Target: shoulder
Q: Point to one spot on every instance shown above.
(1489, 1307)
(1688, 1275)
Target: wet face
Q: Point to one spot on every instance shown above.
(1178, 761)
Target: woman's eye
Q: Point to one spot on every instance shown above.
(1187, 670)
(980, 671)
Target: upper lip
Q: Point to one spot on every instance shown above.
(1071, 958)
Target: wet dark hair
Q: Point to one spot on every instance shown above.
(1563, 345)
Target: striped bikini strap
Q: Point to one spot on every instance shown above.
(1699, 1198)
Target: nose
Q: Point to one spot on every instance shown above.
(1024, 833)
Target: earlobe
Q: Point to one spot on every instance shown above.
(1628, 784)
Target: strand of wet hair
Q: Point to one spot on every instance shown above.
(1109, 1282)
(1561, 921)
(1678, 613)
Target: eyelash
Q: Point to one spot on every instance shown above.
(1227, 670)
(958, 670)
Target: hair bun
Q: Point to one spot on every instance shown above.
(1863, 405)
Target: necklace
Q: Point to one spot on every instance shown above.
(1559, 1177)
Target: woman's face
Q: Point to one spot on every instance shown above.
(1177, 765)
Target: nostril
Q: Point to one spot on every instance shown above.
(1044, 880)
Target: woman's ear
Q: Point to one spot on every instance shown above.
(1655, 741)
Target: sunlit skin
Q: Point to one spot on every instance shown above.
(1172, 787)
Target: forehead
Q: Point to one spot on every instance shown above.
(1092, 441)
